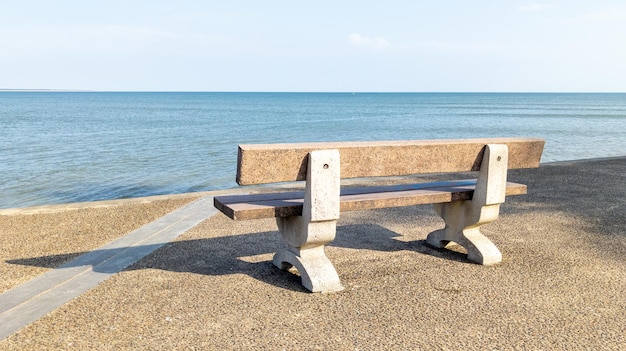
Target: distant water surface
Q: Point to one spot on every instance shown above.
(58, 147)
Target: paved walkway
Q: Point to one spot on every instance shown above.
(30, 301)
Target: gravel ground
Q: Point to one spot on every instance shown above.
(560, 286)
(45, 237)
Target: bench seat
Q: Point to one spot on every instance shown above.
(307, 220)
(286, 204)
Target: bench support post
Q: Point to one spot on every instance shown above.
(463, 218)
(306, 235)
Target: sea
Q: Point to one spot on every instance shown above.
(62, 147)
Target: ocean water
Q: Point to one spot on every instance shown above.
(59, 147)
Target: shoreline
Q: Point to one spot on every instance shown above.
(51, 208)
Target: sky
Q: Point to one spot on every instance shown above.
(311, 46)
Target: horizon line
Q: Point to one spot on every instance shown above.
(44, 90)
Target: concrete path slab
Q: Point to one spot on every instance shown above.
(30, 301)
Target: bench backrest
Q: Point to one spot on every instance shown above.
(273, 163)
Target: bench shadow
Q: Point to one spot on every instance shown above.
(212, 256)
(378, 238)
(249, 254)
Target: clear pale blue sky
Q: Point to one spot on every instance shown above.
(151, 45)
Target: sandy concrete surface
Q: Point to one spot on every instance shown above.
(560, 286)
(51, 235)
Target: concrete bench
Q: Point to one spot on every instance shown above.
(307, 220)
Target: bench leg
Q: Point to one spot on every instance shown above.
(306, 252)
(463, 228)
(464, 218)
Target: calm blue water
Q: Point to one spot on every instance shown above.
(67, 147)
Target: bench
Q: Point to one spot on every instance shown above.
(307, 219)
